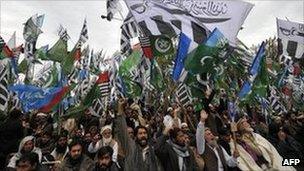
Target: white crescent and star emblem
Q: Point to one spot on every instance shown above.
(204, 58)
(162, 45)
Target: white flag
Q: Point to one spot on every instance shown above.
(291, 35)
(227, 16)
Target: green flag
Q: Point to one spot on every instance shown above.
(58, 52)
(52, 78)
(127, 67)
(22, 67)
(130, 63)
(92, 94)
(157, 79)
(261, 81)
(41, 53)
(202, 60)
(68, 62)
(161, 45)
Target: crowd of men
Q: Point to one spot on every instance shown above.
(133, 137)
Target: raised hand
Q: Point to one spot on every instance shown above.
(204, 115)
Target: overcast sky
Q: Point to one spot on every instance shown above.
(259, 25)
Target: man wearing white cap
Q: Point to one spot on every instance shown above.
(171, 119)
(107, 140)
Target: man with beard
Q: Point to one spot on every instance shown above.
(256, 152)
(131, 132)
(173, 152)
(139, 153)
(75, 159)
(104, 160)
(45, 143)
(107, 140)
(26, 145)
(215, 156)
(61, 149)
(43, 124)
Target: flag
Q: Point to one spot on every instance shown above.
(154, 46)
(256, 65)
(286, 60)
(96, 59)
(68, 62)
(2, 43)
(113, 6)
(75, 54)
(56, 99)
(33, 97)
(129, 29)
(62, 33)
(158, 19)
(12, 41)
(84, 36)
(183, 94)
(104, 84)
(275, 103)
(83, 89)
(254, 70)
(100, 88)
(128, 71)
(4, 93)
(262, 80)
(130, 63)
(48, 77)
(31, 31)
(32, 28)
(182, 51)
(146, 47)
(157, 78)
(229, 16)
(290, 38)
(206, 57)
(41, 53)
(96, 108)
(58, 52)
(85, 58)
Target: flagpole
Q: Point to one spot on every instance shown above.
(105, 17)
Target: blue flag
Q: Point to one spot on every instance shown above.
(245, 90)
(253, 71)
(215, 37)
(255, 67)
(183, 46)
(33, 97)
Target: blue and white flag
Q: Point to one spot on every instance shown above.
(183, 46)
(33, 97)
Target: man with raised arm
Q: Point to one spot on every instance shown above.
(139, 152)
(216, 158)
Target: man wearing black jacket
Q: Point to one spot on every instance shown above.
(173, 152)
